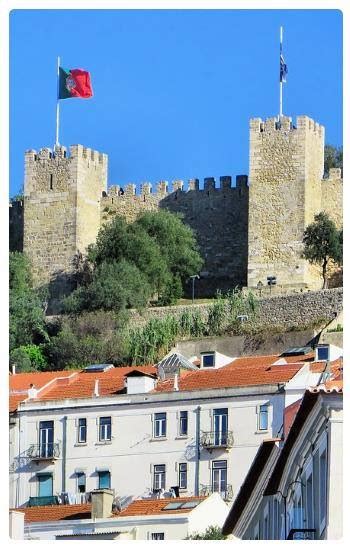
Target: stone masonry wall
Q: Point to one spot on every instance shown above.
(218, 216)
(54, 214)
(286, 166)
(274, 313)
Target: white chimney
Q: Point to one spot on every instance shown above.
(32, 391)
(96, 393)
(176, 383)
(13, 369)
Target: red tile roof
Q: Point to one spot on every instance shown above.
(142, 507)
(49, 513)
(289, 415)
(156, 506)
(71, 384)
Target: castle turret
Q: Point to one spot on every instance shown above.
(62, 195)
(285, 173)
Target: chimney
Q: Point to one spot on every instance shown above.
(101, 503)
(96, 393)
(32, 391)
(13, 369)
(176, 383)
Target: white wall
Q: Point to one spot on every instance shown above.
(133, 450)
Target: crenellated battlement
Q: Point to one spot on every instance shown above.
(60, 152)
(162, 188)
(285, 124)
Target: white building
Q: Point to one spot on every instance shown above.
(294, 490)
(148, 519)
(122, 428)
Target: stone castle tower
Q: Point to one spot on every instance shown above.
(62, 196)
(245, 233)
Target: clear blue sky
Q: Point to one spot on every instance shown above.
(173, 89)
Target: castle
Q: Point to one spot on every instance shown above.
(245, 233)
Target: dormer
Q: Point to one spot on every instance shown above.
(213, 360)
(137, 382)
(326, 351)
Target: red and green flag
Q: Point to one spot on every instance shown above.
(74, 83)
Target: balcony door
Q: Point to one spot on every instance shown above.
(46, 438)
(219, 477)
(220, 426)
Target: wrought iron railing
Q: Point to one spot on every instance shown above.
(50, 450)
(226, 491)
(217, 439)
(302, 533)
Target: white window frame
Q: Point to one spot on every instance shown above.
(157, 475)
(180, 418)
(202, 360)
(78, 433)
(259, 415)
(159, 424)
(104, 438)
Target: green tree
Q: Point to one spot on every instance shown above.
(211, 533)
(322, 243)
(333, 158)
(27, 305)
(28, 358)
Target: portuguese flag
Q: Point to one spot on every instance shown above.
(74, 83)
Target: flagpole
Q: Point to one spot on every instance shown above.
(58, 102)
(281, 83)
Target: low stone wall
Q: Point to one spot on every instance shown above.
(302, 310)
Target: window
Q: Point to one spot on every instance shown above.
(81, 482)
(104, 479)
(220, 424)
(323, 490)
(160, 425)
(183, 427)
(183, 476)
(309, 502)
(208, 361)
(82, 429)
(157, 535)
(45, 488)
(158, 477)
(263, 417)
(46, 436)
(219, 477)
(322, 352)
(105, 428)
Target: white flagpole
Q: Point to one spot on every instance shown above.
(281, 83)
(58, 102)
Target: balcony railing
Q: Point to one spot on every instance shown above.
(39, 452)
(302, 533)
(217, 439)
(226, 492)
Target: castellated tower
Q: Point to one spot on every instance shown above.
(286, 169)
(62, 196)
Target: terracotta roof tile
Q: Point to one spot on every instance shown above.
(289, 415)
(156, 506)
(49, 513)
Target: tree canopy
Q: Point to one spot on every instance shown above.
(134, 262)
(211, 533)
(333, 158)
(322, 243)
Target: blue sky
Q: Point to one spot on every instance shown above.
(173, 89)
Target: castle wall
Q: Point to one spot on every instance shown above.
(55, 217)
(218, 216)
(332, 196)
(286, 166)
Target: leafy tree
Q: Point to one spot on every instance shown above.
(115, 286)
(28, 358)
(27, 306)
(211, 533)
(322, 243)
(333, 158)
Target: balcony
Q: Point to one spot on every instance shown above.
(225, 492)
(302, 534)
(44, 452)
(217, 439)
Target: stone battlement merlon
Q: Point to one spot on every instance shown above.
(59, 152)
(286, 124)
(162, 187)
